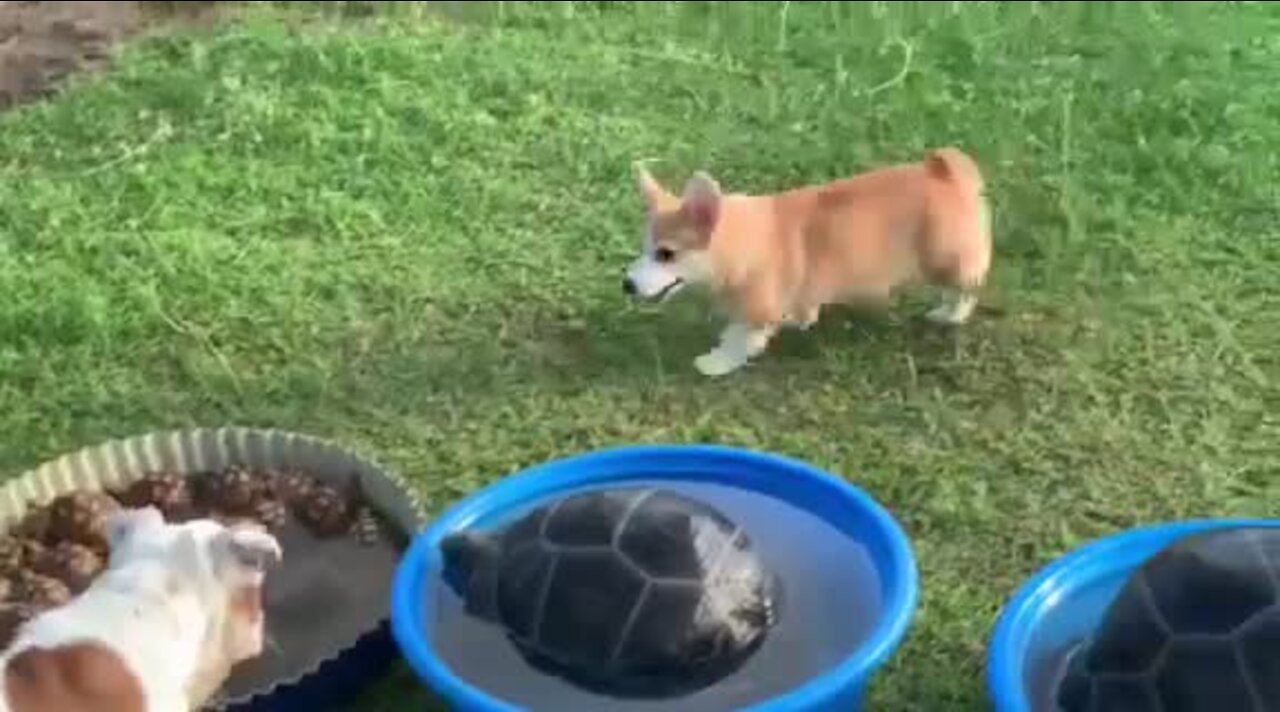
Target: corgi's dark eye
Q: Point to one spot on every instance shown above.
(664, 254)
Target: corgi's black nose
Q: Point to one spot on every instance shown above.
(629, 287)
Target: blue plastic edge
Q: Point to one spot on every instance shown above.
(1018, 620)
(598, 467)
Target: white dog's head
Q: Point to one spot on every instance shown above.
(677, 236)
(207, 575)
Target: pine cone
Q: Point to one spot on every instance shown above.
(34, 524)
(294, 486)
(73, 564)
(43, 592)
(367, 528)
(324, 511)
(166, 491)
(11, 551)
(32, 550)
(16, 553)
(82, 517)
(272, 513)
(12, 617)
(234, 491)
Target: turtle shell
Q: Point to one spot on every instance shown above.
(1195, 629)
(633, 592)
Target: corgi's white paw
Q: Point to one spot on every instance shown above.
(945, 315)
(949, 315)
(716, 363)
(954, 311)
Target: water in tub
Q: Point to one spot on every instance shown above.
(831, 604)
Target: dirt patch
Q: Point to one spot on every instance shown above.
(43, 43)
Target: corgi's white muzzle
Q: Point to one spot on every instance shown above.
(651, 281)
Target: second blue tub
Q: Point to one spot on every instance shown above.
(1064, 602)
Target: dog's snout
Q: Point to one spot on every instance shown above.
(629, 286)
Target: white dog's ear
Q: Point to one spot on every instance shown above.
(650, 188)
(251, 548)
(122, 524)
(701, 201)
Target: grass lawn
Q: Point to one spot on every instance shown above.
(408, 233)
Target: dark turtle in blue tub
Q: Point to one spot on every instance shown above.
(1195, 629)
(630, 592)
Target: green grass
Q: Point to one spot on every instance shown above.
(408, 234)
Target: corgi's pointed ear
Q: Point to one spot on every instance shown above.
(701, 201)
(650, 188)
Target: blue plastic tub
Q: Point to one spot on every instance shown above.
(1065, 601)
(834, 500)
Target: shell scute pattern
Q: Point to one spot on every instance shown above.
(1195, 629)
(634, 590)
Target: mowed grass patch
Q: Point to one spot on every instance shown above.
(407, 232)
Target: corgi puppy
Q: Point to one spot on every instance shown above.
(775, 260)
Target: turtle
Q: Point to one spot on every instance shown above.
(627, 591)
(1196, 628)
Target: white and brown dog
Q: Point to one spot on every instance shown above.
(160, 630)
(776, 260)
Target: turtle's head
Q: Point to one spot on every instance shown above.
(471, 561)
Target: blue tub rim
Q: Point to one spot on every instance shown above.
(1020, 617)
(850, 677)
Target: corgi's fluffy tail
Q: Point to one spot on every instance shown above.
(954, 165)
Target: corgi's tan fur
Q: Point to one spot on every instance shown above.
(777, 259)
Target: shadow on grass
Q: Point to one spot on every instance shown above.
(571, 349)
